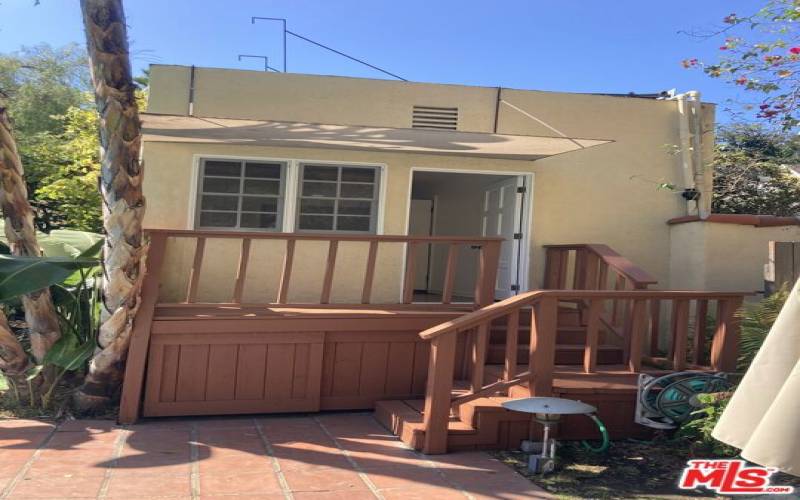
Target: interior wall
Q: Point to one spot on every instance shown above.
(458, 211)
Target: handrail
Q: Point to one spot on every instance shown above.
(499, 309)
(264, 235)
(588, 271)
(638, 317)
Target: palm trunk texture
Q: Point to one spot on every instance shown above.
(123, 202)
(20, 233)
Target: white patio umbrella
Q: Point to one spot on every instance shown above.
(763, 416)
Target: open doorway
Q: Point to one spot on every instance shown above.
(453, 203)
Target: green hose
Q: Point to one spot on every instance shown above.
(606, 442)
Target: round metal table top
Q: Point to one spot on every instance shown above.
(552, 406)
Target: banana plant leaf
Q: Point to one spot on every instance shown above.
(62, 242)
(70, 243)
(68, 353)
(23, 275)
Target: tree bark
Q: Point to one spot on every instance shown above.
(14, 362)
(20, 232)
(121, 189)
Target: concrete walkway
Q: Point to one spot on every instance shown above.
(323, 456)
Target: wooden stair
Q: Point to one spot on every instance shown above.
(484, 424)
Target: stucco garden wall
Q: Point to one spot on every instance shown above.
(724, 257)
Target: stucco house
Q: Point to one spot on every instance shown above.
(305, 230)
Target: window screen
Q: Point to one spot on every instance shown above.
(337, 198)
(240, 194)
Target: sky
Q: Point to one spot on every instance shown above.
(615, 46)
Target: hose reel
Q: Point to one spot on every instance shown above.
(668, 401)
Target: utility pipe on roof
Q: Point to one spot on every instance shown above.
(690, 116)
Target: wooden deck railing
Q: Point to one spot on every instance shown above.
(489, 250)
(591, 267)
(686, 342)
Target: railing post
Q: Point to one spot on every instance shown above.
(680, 317)
(369, 274)
(543, 346)
(512, 342)
(450, 273)
(479, 356)
(591, 271)
(579, 277)
(725, 346)
(330, 266)
(438, 393)
(286, 273)
(698, 354)
(592, 335)
(655, 325)
(487, 272)
(194, 274)
(408, 275)
(638, 325)
(241, 271)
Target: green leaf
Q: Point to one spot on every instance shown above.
(33, 372)
(23, 275)
(68, 353)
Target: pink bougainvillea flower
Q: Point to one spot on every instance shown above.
(795, 50)
(741, 80)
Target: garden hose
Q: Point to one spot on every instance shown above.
(606, 442)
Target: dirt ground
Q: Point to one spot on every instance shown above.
(628, 470)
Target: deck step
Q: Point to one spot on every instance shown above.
(482, 424)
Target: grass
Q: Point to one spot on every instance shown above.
(628, 470)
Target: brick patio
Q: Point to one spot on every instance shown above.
(320, 456)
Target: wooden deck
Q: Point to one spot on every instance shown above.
(436, 373)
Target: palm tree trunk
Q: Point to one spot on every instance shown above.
(14, 362)
(20, 231)
(121, 189)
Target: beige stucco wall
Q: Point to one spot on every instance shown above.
(606, 194)
(726, 257)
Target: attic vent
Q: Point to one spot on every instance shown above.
(435, 118)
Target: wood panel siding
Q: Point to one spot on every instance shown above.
(342, 360)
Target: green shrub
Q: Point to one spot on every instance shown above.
(698, 431)
(757, 319)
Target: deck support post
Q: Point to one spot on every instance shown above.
(438, 393)
(725, 346)
(543, 346)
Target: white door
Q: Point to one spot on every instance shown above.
(502, 215)
(420, 223)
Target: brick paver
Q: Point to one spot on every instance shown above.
(302, 457)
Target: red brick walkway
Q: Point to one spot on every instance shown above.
(325, 456)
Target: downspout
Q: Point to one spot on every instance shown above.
(191, 91)
(690, 116)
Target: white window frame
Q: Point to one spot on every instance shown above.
(242, 177)
(373, 218)
(290, 189)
